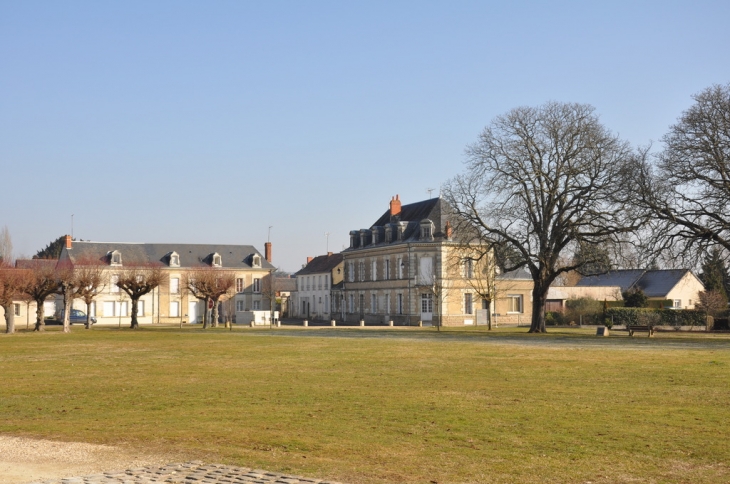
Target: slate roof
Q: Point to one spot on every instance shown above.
(36, 263)
(191, 255)
(520, 274)
(654, 283)
(320, 264)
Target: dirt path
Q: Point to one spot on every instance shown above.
(24, 460)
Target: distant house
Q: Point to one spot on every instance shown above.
(676, 288)
(314, 284)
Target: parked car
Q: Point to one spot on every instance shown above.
(76, 317)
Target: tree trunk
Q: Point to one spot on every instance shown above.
(205, 315)
(539, 297)
(88, 315)
(66, 311)
(134, 324)
(9, 318)
(214, 316)
(40, 325)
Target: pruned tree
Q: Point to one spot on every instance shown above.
(11, 283)
(713, 303)
(40, 282)
(688, 189)
(269, 289)
(136, 281)
(478, 270)
(91, 280)
(540, 182)
(210, 285)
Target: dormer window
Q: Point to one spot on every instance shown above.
(374, 231)
(401, 229)
(353, 239)
(174, 259)
(216, 260)
(256, 260)
(426, 230)
(388, 234)
(364, 237)
(115, 258)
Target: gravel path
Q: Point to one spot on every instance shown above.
(25, 460)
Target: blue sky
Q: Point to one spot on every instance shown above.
(205, 122)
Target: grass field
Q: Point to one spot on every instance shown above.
(385, 405)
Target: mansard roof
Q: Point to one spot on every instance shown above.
(191, 255)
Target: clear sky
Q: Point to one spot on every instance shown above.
(208, 122)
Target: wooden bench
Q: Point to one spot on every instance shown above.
(632, 328)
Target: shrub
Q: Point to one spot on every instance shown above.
(662, 317)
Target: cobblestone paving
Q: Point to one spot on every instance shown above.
(187, 473)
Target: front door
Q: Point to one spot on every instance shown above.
(192, 311)
(427, 307)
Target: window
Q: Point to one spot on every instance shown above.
(113, 283)
(469, 269)
(239, 284)
(426, 270)
(257, 285)
(217, 261)
(108, 308)
(257, 305)
(362, 271)
(16, 309)
(326, 305)
(468, 309)
(309, 283)
(121, 308)
(387, 303)
(256, 260)
(386, 276)
(115, 258)
(373, 303)
(399, 303)
(351, 271)
(399, 266)
(174, 285)
(388, 234)
(174, 309)
(319, 282)
(514, 303)
(351, 304)
(677, 304)
(326, 282)
(140, 308)
(374, 270)
(239, 305)
(427, 303)
(375, 236)
(426, 230)
(174, 260)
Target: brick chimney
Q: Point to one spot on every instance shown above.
(395, 206)
(309, 259)
(69, 243)
(267, 251)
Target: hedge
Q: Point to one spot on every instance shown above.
(661, 317)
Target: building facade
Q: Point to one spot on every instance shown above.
(408, 269)
(315, 284)
(171, 302)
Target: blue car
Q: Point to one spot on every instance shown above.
(76, 317)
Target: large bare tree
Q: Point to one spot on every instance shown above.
(542, 181)
(210, 285)
(6, 245)
(137, 281)
(688, 189)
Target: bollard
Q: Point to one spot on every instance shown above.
(390, 323)
(306, 323)
(278, 323)
(252, 323)
(420, 324)
(362, 322)
(333, 323)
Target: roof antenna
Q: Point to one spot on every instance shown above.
(430, 191)
(327, 234)
(268, 239)
(72, 226)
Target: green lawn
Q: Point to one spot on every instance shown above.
(456, 406)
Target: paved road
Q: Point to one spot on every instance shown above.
(188, 473)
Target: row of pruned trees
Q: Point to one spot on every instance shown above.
(42, 279)
(552, 190)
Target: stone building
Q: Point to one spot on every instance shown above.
(171, 302)
(406, 267)
(315, 284)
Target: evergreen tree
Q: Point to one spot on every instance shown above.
(52, 250)
(715, 273)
